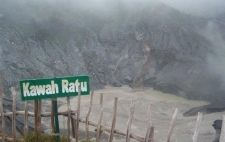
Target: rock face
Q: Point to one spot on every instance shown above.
(151, 45)
(206, 109)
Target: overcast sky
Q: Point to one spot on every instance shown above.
(198, 7)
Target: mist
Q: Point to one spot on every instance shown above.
(216, 56)
(34, 18)
(204, 8)
(66, 10)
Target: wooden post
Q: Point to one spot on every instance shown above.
(36, 117)
(129, 121)
(52, 116)
(69, 117)
(56, 117)
(199, 119)
(149, 126)
(113, 120)
(26, 119)
(73, 124)
(39, 120)
(87, 117)
(14, 114)
(98, 132)
(151, 137)
(147, 136)
(222, 135)
(78, 114)
(172, 124)
(2, 116)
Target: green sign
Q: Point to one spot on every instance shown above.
(54, 87)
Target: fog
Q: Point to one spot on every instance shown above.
(216, 58)
(20, 12)
(35, 9)
(205, 8)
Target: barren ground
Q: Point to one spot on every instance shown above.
(162, 111)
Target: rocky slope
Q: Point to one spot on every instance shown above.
(139, 44)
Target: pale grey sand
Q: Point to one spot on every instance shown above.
(162, 110)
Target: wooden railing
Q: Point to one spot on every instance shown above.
(73, 122)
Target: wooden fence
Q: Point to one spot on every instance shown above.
(73, 122)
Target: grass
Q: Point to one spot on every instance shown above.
(43, 138)
(87, 141)
(47, 138)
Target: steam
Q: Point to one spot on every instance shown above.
(216, 58)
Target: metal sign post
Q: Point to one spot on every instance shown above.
(56, 119)
(37, 89)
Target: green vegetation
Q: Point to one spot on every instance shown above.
(87, 141)
(43, 138)
(47, 138)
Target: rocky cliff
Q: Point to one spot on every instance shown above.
(147, 44)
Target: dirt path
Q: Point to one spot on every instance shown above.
(162, 111)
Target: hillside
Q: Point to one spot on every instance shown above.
(139, 44)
